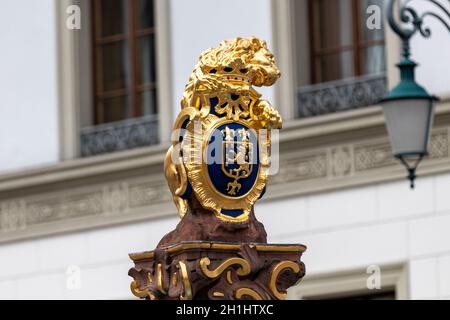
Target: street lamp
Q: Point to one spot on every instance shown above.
(408, 108)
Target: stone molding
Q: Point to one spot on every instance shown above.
(337, 151)
(344, 283)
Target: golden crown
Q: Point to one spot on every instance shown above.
(235, 72)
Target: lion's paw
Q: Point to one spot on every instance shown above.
(268, 115)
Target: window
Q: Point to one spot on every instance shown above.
(124, 59)
(340, 62)
(341, 44)
(352, 285)
(388, 294)
(120, 107)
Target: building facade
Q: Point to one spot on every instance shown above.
(85, 120)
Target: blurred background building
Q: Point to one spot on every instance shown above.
(85, 120)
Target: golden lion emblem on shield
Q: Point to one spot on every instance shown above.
(222, 86)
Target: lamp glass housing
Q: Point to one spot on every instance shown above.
(408, 123)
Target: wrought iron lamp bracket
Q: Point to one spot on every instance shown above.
(409, 16)
(409, 22)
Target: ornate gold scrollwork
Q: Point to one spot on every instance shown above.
(173, 163)
(150, 277)
(242, 271)
(159, 279)
(186, 282)
(247, 292)
(141, 293)
(218, 294)
(175, 279)
(229, 280)
(279, 268)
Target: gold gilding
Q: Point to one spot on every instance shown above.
(141, 293)
(186, 282)
(218, 294)
(159, 278)
(280, 267)
(202, 185)
(229, 279)
(247, 292)
(226, 73)
(242, 271)
(178, 248)
(174, 279)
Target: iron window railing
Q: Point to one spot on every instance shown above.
(340, 95)
(121, 135)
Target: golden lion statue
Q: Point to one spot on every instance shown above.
(222, 83)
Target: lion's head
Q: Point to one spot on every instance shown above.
(234, 66)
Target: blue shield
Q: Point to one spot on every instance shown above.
(232, 156)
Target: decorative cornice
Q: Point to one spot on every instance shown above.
(317, 155)
(64, 210)
(350, 160)
(150, 158)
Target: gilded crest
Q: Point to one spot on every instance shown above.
(220, 154)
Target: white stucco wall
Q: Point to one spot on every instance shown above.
(197, 25)
(379, 224)
(344, 230)
(28, 103)
(29, 111)
(383, 224)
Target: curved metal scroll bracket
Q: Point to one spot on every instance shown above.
(409, 16)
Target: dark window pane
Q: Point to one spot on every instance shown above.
(146, 48)
(367, 34)
(116, 109)
(114, 17)
(146, 14)
(147, 102)
(125, 70)
(373, 60)
(333, 27)
(365, 295)
(336, 66)
(115, 66)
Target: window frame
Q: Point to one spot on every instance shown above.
(132, 36)
(356, 46)
(351, 283)
(75, 96)
(293, 62)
